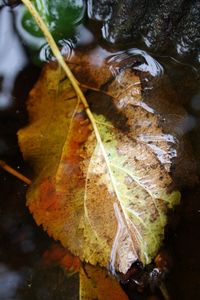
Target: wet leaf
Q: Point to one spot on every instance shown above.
(61, 17)
(95, 283)
(105, 201)
(57, 255)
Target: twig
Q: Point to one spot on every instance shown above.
(94, 89)
(88, 87)
(15, 173)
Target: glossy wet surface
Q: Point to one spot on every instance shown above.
(22, 243)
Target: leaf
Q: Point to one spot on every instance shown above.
(61, 17)
(57, 255)
(106, 201)
(95, 283)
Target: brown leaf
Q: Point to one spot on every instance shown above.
(106, 201)
(59, 255)
(95, 283)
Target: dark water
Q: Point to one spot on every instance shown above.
(22, 243)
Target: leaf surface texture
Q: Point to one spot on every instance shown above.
(107, 202)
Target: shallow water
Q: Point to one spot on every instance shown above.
(22, 243)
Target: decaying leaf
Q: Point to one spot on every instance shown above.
(95, 283)
(58, 255)
(106, 202)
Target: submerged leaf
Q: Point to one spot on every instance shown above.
(61, 17)
(106, 201)
(57, 255)
(95, 283)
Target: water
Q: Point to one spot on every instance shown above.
(22, 244)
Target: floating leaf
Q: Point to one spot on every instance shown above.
(106, 201)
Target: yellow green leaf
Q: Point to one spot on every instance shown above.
(101, 191)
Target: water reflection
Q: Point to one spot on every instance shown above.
(9, 2)
(9, 282)
(66, 48)
(12, 56)
(150, 65)
(84, 36)
(38, 47)
(29, 39)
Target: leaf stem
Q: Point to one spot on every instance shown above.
(63, 64)
(56, 50)
(15, 173)
(44, 11)
(69, 74)
(94, 89)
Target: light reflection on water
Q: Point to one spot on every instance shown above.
(150, 65)
(12, 57)
(10, 281)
